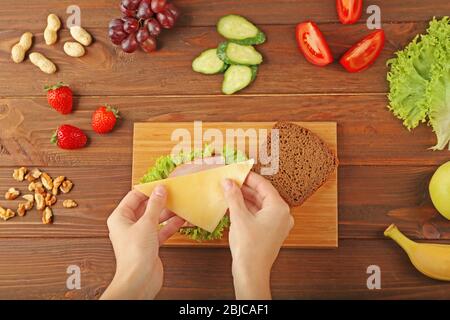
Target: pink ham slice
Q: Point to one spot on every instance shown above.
(189, 168)
(193, 167)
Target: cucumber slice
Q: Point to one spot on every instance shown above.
(237, 78)
(208, 63)
(239, 30)
(232, 53)
(254, 72)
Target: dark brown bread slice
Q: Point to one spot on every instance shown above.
(306, 162)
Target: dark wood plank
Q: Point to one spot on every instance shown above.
(368, 134)
(370, 199)
(206, 13)
(206, 273)
(105, 70)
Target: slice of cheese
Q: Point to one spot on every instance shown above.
(198, 198)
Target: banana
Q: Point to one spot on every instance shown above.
(433, 260)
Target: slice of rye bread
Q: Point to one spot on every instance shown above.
(305, 164)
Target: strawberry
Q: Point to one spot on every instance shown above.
(104, 119)
(59, 97)
(69, 137)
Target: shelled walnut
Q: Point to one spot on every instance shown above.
(47, 181)
(40, 201)
(47, 216)
(36, 187)
(19, 174)
(50, 199)
(21, 210)
(33, 175)
(30, 201)
(66, 186)
(57, 183)
(12, 194)
(6, 214)
(69, 203)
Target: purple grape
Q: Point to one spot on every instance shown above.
(117, 36)
(149, 45)
(126, 12)
(144, 11)
(142, 35)
(116, 24)
(153, 26)
(130, 44)
(166, 19)
(158, 5)
(173, 10)
(130, 25)
(130, 4)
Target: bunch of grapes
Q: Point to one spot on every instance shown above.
(142, 23)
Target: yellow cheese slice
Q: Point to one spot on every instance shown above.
(198, 198)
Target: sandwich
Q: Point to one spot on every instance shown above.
(305, 164)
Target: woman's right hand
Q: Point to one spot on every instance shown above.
(260, 222)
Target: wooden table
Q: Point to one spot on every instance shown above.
(384, 168)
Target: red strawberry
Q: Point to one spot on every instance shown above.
(104, 119)
(59, 96)
(69, 137)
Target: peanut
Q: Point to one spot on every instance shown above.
(42, 62)
(74, 49)
(51, 32)
(81, 35)
(20, 49)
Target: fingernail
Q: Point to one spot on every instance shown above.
(227, 184)
(159, 191)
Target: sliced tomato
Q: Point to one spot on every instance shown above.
(349, 11)
(312, 44)
(364, 53)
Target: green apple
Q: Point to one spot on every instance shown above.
(440, 189)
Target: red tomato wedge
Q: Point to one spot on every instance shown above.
(364, 53)
(349, 11)
(312, 44)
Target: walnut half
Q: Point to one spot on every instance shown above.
(40, 201)
(19, 174)
(12, 194)
(47, 216)
(21, 210)
(66, 186)
(70, 204)
(47, 181)
(56, 184)
(6, 214)
(30, 201)
(50, 199)
(33, 175)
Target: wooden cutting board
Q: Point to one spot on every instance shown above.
(316, 221)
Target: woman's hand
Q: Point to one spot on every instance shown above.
(135, 235)
(260, 222)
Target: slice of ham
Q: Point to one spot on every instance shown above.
(197, 166)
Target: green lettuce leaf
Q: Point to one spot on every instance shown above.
(166, 164)
(419, 81)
